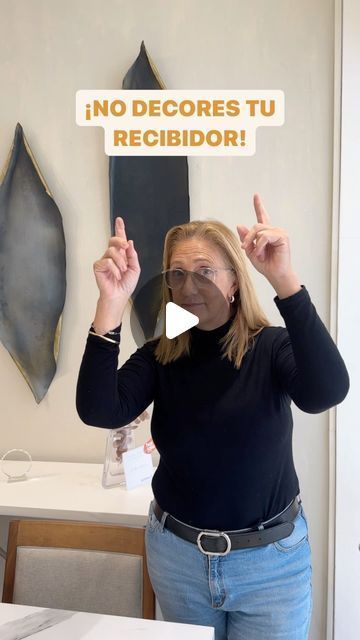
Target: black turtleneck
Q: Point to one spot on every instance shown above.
(224, 435)
(209, 338)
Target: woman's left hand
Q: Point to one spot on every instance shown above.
(267, 247)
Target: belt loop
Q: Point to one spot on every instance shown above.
(162, 521)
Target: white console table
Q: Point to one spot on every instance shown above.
(72, 491)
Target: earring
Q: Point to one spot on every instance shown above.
(231, 300)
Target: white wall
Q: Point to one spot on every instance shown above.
(48, 50)
(347, 565)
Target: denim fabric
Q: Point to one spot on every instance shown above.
(250, 594)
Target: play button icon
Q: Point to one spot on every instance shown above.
(178, 320)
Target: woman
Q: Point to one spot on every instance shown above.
(226, 538)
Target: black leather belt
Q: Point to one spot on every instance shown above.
(212, 542)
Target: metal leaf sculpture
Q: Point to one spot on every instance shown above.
(32, 268)
(151, 194)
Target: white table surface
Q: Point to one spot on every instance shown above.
(18, 621)
(72, 491)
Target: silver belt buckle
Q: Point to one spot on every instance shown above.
(213, 534)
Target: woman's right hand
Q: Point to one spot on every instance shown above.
(118, 271)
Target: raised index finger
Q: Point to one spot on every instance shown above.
(260, 210)
(120, 228)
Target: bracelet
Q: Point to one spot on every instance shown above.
(107, 335)
(98, 335)
(114, 332)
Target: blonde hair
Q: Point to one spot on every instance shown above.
(249, 318)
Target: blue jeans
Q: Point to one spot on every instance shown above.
(249, 594)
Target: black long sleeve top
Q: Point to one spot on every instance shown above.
(224, 435)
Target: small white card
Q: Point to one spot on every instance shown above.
(138, 467)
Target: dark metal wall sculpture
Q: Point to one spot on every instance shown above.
(32, 268)
(151, 194)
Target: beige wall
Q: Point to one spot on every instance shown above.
(49, 50)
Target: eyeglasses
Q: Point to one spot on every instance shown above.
(202, 278)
